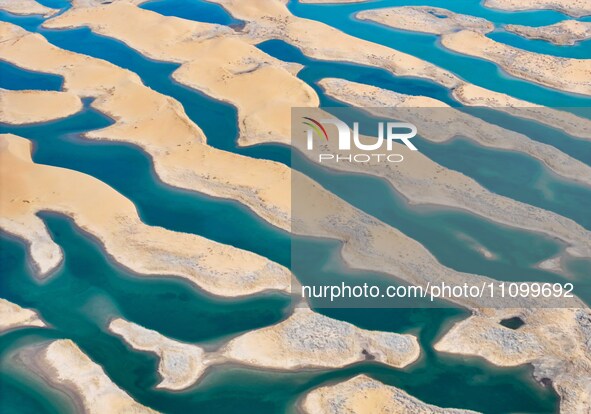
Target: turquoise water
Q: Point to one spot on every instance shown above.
(89, 289)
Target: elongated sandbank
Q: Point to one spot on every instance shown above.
(434, 20)
(555, 341)
(364, 395)
(574, 8)
(26, 7)
(305, 340)
(182, 43)
(566, 74)
(25, 107)
(438, 122)
(28, 188)
(64, 366)
(13, 316)
(566, 32)
(332, 1)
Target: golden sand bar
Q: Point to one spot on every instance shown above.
(364, 395)
(13, 316)
(62, 364)
(434, 20)
(438, 122)
(566, 74)
(555, 341)
(25, 107)
(566, 32)
(28, 188)
(305, 340)
(574, 8)
(26, 7)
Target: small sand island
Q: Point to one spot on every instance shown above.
(12, 316)
(567, 32)
(364, 395)
(574, 8)
(63, 365)
(26, 107)
(305, 340)
(26, 7)
(434, 20)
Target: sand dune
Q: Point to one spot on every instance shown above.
(555, 341)
(566, 32)
(26, 7)
(28, 188)
(574, 8)
(305, 340)
(364, 395)
(13, 316)
(25, 107)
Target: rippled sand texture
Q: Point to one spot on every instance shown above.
(26, 7)
(574, 8)
(566, 32)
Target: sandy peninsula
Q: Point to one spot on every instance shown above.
(555, 341)
(425, 19)
(28, 188)
(364, 395)
(63, 365)
(305, 340)
(438, 122)
(566, 74)
(13, 316)
(26, 7)
(574, 8)
(566, 32)
(25, 107)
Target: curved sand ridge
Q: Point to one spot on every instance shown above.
(25, 107)
(13, 316)
(574, 8)
(184, 40)
(28, 188)
(305, 340)
(566, 74)
(364, 395)
(557, 342)
(26, 7)
(434, 20)
(62, 364)
(566, 32)
(438, 122)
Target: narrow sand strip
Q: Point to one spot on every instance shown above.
(574, 8)
(566, 32)
(26, 7)
(364, 395)
(565, 74)
(28, 188)
(557, 342)
(13, 316)
(434, 20)
(332, 1)
(62, 364)
(26, 107)
(183, 42)
(438, 122)
(305, 340)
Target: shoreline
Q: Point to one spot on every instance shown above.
(26, 8)
(25, 107)
(564, 33)
(13, 316)
(573, 8)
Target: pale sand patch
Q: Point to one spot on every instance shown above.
(180, 364)
(434, 20)
(566, 32)
(557, 342)
(26, 7)
(65, 366)
(13, 316)
(26, 107)
(566, 74)
(181, 40)
(28, 188)
(438, 122)
(364, 395)
(305, 340)
(332, 1)
(574, 8)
